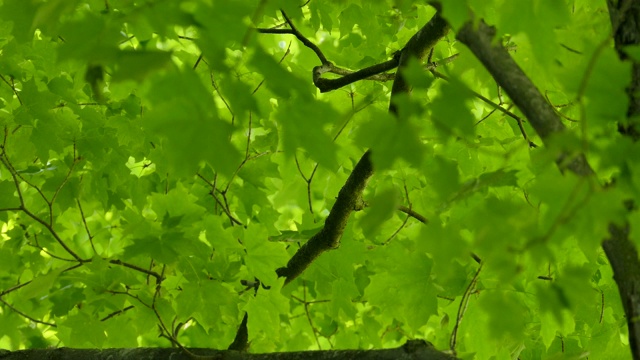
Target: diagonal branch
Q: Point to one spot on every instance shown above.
(27, 316)
(304, 40)
(621, 252)
(350, 195)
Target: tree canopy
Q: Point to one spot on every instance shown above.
(287, 176)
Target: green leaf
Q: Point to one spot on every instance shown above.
(303, 125)
(21, 14)
(443, 176)
(264, 312)
(416, 75)
(85, 330)
(188, 129)
(383, 206)
(280, 81)
(456, 12)
(161, 249)
(263, 257)
(390, 139)
(8, 196)
(451, 115)
(40, 285)
(137, 65)
(90, 39)
(407, 277)
(508, 314)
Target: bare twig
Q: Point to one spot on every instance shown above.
(116, 313)
(413, 214)
(462, 308)
(495, 106)
(13, 88)
(86, 227)
(158, 277)
(220, 203)
(25, 315)
(304, 40)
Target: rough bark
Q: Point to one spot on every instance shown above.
(621, 252)
(412, 350)
(497, 60)
(350, 195)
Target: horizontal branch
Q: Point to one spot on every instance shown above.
(326, 85)
(137, 268)
(412, 349)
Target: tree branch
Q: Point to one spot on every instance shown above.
(413, 214)
(326, 85)
(329, 236)
(25, 315)
(412, 349)
(158, 277)
(301, 37)
(620, 251)
(372, 72)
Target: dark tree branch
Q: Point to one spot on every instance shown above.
(625, 20)
(373, 72)
(118, 312)
(329, 236)
(411, 350)
(511, 78)
(158, 277)
(304, 40)
(326, 85)
(241, 341)
(620, 251)
(418, 47)
(86, 227)
(519, 87)
(391, 76)
(351, 193)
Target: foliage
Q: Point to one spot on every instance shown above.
(159, 156)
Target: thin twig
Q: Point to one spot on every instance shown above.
(410, 212)
(222, 205)
(13, 88)
(406, 194)
(86, 227)
(495, 106)
(304, 40)
(64, 181)
(287, 52)
(116, 313)
(25, 315)
(37, 246)
(135, 267)
(462, 308)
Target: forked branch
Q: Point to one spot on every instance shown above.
(351, 193)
